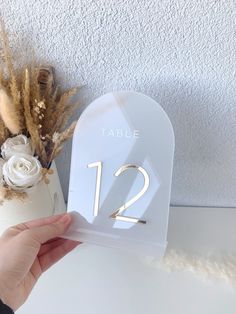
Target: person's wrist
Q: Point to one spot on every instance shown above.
(5, 296)
(6, 302)
(5, 308)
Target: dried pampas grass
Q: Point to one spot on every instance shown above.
(31, 126)
(4, 132)
(31, 104)
(8, 112)
(12, 82)
(59, 139)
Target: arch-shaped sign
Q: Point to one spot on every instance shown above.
(121, 168)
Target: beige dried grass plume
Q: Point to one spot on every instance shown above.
(8, 112)
(12, 84)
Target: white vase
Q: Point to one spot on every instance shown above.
(43, 200)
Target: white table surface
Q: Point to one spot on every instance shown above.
(97, 280)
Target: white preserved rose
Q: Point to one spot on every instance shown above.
(19, 144)
(22, 171)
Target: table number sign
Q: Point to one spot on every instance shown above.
(121, 168)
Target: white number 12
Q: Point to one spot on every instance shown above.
(117, 213)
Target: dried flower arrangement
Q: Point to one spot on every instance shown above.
(33, 120)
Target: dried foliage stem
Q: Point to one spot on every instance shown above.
(59, 113)
(4, 133)
(7, 193)
(31, 127)
(60, 138)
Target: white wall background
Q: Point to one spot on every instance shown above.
(182, 53)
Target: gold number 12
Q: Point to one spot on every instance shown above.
(117, 213)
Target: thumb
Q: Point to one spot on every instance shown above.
(47, 232)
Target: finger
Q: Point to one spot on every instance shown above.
(48, 232)
(52, 240)
(43, 221)
(50, 245)
(14, 230)
(53, 256)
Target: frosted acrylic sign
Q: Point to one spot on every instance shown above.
(120, 180)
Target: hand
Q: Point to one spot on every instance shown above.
(26, 251)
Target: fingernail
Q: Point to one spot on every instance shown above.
(65, 219)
